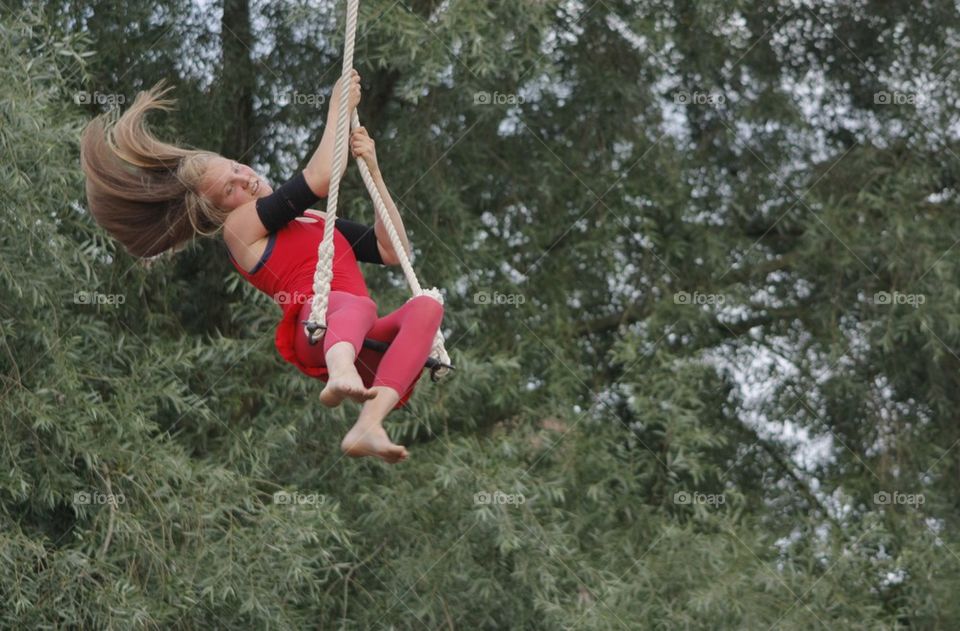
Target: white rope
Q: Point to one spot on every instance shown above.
(324, 272)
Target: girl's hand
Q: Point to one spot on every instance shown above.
(362, 146)
(353, 96)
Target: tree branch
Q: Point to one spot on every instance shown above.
(781, 462)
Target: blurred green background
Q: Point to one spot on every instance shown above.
(700, 271)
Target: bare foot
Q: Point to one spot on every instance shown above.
(372, 440)
(348, 386)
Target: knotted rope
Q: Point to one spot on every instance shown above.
(323, 275)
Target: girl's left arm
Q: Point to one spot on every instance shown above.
(363, 147)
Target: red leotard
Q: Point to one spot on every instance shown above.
(286, 275)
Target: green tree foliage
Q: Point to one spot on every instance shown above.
(701, 292)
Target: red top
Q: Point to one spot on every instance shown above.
(285, 273)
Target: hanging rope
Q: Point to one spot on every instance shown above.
(323, 275)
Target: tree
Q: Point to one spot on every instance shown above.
(700, 293)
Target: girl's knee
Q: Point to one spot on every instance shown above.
(427, 306)
(367, 304)
(352, 303)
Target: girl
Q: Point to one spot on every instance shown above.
(155, 197)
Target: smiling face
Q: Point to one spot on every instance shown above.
(229, 184)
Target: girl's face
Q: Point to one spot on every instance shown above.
(229, 184)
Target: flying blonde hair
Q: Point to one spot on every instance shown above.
(141, 190)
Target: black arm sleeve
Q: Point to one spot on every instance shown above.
(362, 238)
(286, 203)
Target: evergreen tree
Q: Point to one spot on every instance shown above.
(701, 293)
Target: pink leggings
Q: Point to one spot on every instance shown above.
(409, 330)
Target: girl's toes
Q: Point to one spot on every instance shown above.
(360, 394)
(396, 453)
